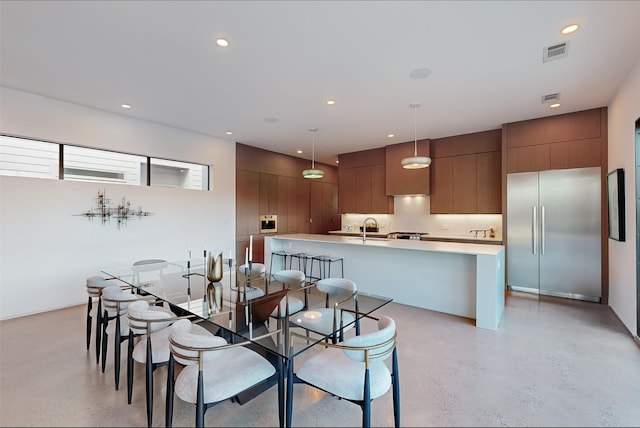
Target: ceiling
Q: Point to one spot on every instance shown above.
(287, 58)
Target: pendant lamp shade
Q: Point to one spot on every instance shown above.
(313, 172)
(415, 161)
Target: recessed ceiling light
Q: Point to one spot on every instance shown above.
(569, 29)
(229, 133)
(222, 42)
(420, 73)
(126, 106)
(554, 105)
(331, 102)
(391, 135)
(299, 152)
(337, 161)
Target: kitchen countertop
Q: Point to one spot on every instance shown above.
(428, 237)
(474, 248)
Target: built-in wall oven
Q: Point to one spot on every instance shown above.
(268, 223)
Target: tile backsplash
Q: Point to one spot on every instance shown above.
(412, 214)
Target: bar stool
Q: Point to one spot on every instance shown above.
(324, 266)
(284, 255)
(302, 260)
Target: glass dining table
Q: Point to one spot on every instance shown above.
(241, 312)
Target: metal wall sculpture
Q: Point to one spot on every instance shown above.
(121, 213)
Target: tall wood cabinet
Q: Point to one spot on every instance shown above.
(466, 173)
(362, 186)
(272, 183)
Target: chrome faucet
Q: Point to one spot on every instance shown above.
(364, 227)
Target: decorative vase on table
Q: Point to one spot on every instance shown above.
(214, 288)
(214, 267)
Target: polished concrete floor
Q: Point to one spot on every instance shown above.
(552, 362)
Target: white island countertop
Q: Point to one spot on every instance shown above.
(406, 244)
(463, 279)
(427, 237)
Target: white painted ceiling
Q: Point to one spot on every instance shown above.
(286, 59)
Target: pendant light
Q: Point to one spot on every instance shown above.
(415, 161)
(313, 172)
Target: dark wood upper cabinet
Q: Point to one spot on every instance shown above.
(347, 190)
(572, 140)
(528, 158)
(442, 185)
(466, 174)
(488, 180)
(361, 186)
(465, 191)
(400, 181)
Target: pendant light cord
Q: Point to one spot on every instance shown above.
(415, 132)
(313, 147)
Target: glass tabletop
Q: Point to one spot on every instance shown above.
(245, 302)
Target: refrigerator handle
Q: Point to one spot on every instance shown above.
(534, 230)
(542, 230)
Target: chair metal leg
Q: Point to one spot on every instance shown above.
(281, 397)
(200, 402)
(89, 319)
(105, 339)
(149, 383)
(98, 329)
(116, 353)
(366, 404)
(169, 400)
(289, 391)
(130, 367)
(395, 378)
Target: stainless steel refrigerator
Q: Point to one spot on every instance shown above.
(553, 233)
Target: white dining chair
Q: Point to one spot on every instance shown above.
(353, 370)
(149, 324)
(213, 370)
(94, 287)
(115, 302)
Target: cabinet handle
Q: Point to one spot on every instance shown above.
(534, 230)
(542, 232)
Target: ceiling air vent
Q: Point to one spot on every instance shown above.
(558, 51)
(550, 98)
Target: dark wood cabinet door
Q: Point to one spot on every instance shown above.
(363, 189)
(283, 205)
(302, 205)
(380, 202)
(465, 174)
(489, 183)
(330, 217)
(442, 185)
(268, 193)
(400, 181)
(292, 204)
(575, 154)
(247, 203)
(527, 159)
(347, 190)
(315, 207)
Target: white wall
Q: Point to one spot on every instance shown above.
(623, 111)
(47, 251)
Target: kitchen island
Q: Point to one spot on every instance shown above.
(461, 279)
